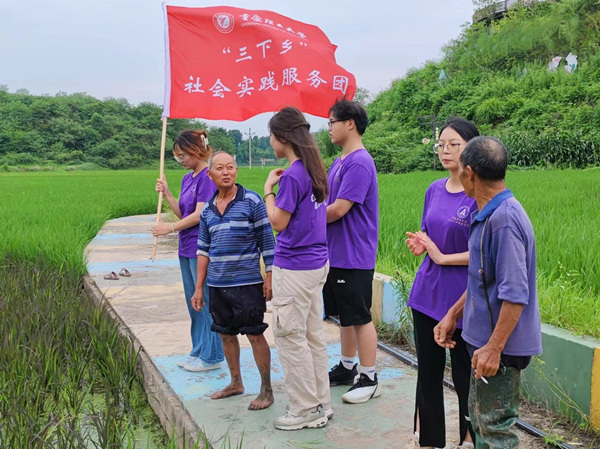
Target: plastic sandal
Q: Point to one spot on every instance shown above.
(125, 273)
(112, 276)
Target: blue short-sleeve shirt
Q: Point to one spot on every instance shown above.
(509, 261)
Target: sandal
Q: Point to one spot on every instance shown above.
(112, 276)
(125, 273)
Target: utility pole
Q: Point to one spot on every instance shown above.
(249, 134)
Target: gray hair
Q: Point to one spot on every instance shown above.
(487, 157)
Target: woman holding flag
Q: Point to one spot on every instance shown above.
(299, 213)
(191, 150)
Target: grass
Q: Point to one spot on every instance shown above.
(68, 380)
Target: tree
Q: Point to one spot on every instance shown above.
(236, 136)
(220, 140)
(362, 96)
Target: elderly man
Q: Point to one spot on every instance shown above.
(234, 233)
(501, 323)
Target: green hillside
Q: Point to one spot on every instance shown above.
(41, 132)
(496, 74)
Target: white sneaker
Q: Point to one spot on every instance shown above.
(189, 359)
(363, 390)
(328, 411)
(198, 366)
(313, 420)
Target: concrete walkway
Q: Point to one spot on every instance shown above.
(152, 305)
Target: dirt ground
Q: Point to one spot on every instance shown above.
(555, 426)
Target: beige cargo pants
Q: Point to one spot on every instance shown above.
(297, 306)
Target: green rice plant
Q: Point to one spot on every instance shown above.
(67, 379)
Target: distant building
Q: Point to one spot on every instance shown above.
(496, 10)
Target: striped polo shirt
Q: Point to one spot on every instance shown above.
(234, 241)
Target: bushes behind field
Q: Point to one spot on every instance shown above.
(496, 75)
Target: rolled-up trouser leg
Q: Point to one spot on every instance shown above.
(494, 410)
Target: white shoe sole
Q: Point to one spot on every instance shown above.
(201, 369)
(317, 424)
(351, 400)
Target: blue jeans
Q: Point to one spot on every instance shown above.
(206, 344)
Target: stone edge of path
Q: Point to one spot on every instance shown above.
(167, 405)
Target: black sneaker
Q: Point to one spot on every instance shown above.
(338, 375)
(363, 390)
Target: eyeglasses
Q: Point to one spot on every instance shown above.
(452, 147)
(181, 157)
(330, 122)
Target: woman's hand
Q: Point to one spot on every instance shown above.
(414, 244)
(273, 179)
(432, 250)
(162, 186)
(162, 228)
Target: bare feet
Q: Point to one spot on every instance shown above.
(263, 400)
(230, 390)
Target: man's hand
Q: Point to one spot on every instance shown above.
(198, 300)
(486, 361)
(267, 287)
(443, 332)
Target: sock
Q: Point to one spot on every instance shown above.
(347, 362)
(368, 370)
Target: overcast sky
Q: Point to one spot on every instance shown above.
(115, 48)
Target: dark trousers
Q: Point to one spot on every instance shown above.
(495, 409)
(429, 404)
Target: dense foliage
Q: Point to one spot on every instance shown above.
(82, 131)
(496, 75)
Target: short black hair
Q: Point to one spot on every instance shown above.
(487, 157)
(465, 129)
(351, 110)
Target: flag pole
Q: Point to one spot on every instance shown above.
(163, 141)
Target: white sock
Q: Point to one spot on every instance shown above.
(368, 370)
(347, 362)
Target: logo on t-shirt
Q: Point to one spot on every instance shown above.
(313, 199)
(463, 212)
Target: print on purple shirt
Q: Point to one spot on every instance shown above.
(302, 245)
(352, 240)
(446, 220)
(194, 190)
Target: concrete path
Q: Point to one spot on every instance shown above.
(152, 305)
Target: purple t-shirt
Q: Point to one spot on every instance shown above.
(353, 238)
(194, 190)
(509, 265)
(302, 245)
(446, 220)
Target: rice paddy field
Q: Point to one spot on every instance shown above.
(68, 380)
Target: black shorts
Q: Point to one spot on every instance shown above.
(349, 294)
(238, 310)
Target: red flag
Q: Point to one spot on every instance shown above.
(232, 63)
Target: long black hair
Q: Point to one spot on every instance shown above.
(290, 126)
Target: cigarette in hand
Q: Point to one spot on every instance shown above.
(484, 380)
